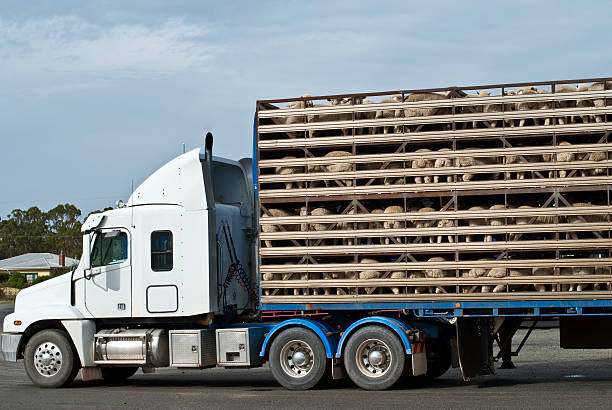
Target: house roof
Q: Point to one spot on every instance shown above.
(35, 261)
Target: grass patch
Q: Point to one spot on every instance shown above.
(7, 299)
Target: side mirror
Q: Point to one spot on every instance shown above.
(85, 257)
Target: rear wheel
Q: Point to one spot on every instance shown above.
(50, 360)
(298, 360)
(374, 358)
(117, 374)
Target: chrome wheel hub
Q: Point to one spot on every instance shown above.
(373, 358)
(296, 358)
(48, 359)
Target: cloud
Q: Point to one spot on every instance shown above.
(72, 45)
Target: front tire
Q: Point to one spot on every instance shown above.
(298, 360)
(374, 358)
(50, 360)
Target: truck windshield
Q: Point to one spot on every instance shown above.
(109, 248)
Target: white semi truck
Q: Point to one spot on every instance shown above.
(359, 233)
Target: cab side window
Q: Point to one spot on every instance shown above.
(161, 251)
(109, 248)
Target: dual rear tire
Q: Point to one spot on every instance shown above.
(374, 358)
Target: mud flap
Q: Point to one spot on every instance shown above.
(475, 347)
(419, 359)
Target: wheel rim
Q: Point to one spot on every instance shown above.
(48, 359)
(373, 358)
(296, 358)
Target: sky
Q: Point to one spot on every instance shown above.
(95, 95)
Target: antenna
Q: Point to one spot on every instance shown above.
(133, 199)
(183, 147)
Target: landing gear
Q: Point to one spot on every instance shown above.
(50, 360)
(298, 360)
(374, 358)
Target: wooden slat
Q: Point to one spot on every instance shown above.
(429, 136)
(448, 265)
(511, 246)
(466, 297)
(442, 186)
(448, 102)
(405, 172)
(434, 119)
(459, 230)
(433, 155)
(515, 280)
(436, 215)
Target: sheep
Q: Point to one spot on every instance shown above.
(394, 113)
(583, 103)
(518, 272)
(526, 105)
(334, 167)
(419, 274)
(516, 159)
(364, 115)
(500, 221)
(438, 272)
(314, 212)
(599, 102)
(540, 287)
(496, 273)
(396, 275)
(424, 224)
(565, 88)
(374, 225)
(298, 105)
(463, 162)
(525, 220)
(290, 170)
(425, 111)
(577, 219)
(422, 162)
(497, 108)
(477, 108)
(273, 212)
(393, 209)
(475, 221)
(560, 157)
(368, 274)
(443, 163)
(330, 116)
(472, 274)
(596, 157)
(446, 223)
(576, 271)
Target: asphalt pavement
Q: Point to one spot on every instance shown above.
(546, 377)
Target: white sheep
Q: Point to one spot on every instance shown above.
(334, 167)
(464, 162)
(540, 287)
(364, 115)
(443, 163)
(499, 221)
(418, 274)
(326, 117)
(438, 272)
(578, 219)
(425, 111)
(496, 273)
(560, 157)
(475, 221)
(368, 274)
(276, 213)
(526, 105)
(473, 273)
(396, 275)
(298, 105)
(477, 108)
(595, 157)
(394, 113)
(424, 224)
(564, 104)
(290, 170)
(423, 162)
(583, 103)
(393, 209)
(446, 223)
(576, 271)
(498, 108)
(525, 220)
(599, 102)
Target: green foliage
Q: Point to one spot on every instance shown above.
(42, 279)
(32, 230)
(16, 280)
(3, 277)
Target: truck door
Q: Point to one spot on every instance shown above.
(108, 284)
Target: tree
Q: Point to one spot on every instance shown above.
(64, 230)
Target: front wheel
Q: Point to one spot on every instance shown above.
(374, 358)
(50, 360)
(298, 360)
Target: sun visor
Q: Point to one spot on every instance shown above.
(92, 222)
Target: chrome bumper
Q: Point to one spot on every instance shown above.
(9, 343)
